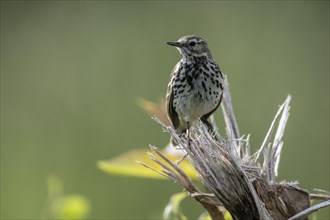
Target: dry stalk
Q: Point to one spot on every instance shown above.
(242, 183)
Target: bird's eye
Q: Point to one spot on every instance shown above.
(192, 43)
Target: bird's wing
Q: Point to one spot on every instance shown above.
(216, 107)
(207, 115)
(171, 113)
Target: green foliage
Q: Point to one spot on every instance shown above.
(227, 216)
(204, 216)
(74, 207)
(61, 206)
(126, 165)
(173, 209)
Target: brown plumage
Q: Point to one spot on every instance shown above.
(196, 84)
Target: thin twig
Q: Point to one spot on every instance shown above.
(307, 212)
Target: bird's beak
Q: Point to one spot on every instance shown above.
(176, 44)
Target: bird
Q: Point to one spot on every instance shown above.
(195, 87)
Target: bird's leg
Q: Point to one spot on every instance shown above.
(208, 125)
(188, 134)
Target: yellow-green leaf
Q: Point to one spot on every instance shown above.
(228, 216)
(205, 216)
(74, 207)
(62, 206)
(126, 165)
(173, 210)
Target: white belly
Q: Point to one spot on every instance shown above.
(193, 104)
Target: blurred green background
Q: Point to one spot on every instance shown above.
(72, 70)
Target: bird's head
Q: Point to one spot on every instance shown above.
(192, 46)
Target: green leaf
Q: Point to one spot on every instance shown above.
(228, 216)
(173, 210)
(74, 207)
(126, 165)
(205, 216)
(61, 206)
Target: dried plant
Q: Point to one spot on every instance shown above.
(234, 179)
